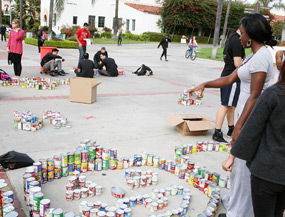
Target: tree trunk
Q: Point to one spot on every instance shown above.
(209, 38)
(1, 12)
(217, 28)
(116, 24)
(283, 32)
(21, 14)
(50, 19)
(226, 25)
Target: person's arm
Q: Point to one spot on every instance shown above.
(218, 83)
(248, 141)
(9, 41)
(79, 67)
(160, 43)
(279, 61)
(237, 61)
(77, 38)
(101, 64)
(20, 35)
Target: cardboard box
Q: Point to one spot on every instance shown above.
(83, 90)
(190, 125)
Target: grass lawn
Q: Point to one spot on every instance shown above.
(206, 53)
(115, 41)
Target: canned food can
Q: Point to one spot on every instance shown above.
(98, 189)
(91, 165)
(44, 206)
(126, 163)
(84, 167)
(77, 157)
(64, 171)
(57, 212)
(138, 160)
(98, 165)
(155, 162)
(112, 164)
(64, 160)
(76, 194)
(70, 156)
(69, 195)
(216, 178)
(37, 200)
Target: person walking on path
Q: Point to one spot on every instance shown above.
(261, 144)
(15, 47)
(81, 35)
(108, 67)
(49, 63)
(280, 57)
(233, 55)
(40, 38)
(85, 67)
(254, 74)
(120, 38)
(3, 32)
(97, 57)
(164, 45)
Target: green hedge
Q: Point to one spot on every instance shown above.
(58, 44)
(106, 35)
(130, 36)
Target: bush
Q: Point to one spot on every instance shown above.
(106, 29)
(92, 30)
(71, 38)
(154, 36)
(45, 28)
(203, 40)
(69, 31)
(97, 35)
(128, 35)
(106, 35)
(31, 41)
(59, 44)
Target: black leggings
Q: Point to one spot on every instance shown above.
(268, 198)
(164, 53)
(40, 43)
(16, 59)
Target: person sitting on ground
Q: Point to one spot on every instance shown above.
(85, 67)
(49, 63)
(107, 66)
(97, 57)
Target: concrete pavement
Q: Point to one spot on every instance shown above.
(130, 115)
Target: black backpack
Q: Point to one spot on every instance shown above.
(143, 70)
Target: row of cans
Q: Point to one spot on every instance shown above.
(6, 200)
(36, 82)
(138, 178)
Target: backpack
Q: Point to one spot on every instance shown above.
(4, 76)
(143, 70)
(44, 36)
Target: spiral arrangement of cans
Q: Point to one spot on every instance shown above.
(139, 178)
(27, 121)
(90, 156)
(7, 208)
(36, 82)
(56, 119)
(77, 187)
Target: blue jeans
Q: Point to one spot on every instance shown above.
(82, 50)
(76, 72)
(191, 48)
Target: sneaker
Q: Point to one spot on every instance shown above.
(218, 136)
(230, 132)
(62, 73)
(52, 73)
(222, 215)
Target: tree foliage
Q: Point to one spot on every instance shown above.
(277, 28)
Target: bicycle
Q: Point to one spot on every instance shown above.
(191, 56)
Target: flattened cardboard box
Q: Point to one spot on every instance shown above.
(83, 90)
(190, 125)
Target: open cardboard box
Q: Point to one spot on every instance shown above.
(190, 125)
(83, 90)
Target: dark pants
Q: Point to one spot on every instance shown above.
(96, 64)
(104, 73)
(40, 43)
(3, 36)
(82, 50)
(164, 53)
(268, 198)
(16, 59)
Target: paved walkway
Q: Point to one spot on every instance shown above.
(129, 115)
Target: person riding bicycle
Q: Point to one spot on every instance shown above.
(192, 43)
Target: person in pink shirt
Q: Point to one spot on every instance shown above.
(81, 35)
(15, 47)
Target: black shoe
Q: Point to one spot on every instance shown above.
(222, 215)
(218, 136)
(62, 73)
(52, 73)
(166, 59)
(230, 132)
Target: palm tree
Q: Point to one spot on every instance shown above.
(116, 23)
(226, 24)
(217, 28)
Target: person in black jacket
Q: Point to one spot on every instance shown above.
(107, 66)
(97, 57)
(85, 67)
(49, 62)
(39, 37)
(164, 45)
(3, 32)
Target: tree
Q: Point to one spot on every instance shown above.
(281, 6)
(277, 28)
(217, 28)
(226, 25)
(1, 12)
(116, 21)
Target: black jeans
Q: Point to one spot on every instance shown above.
(164, 53)
(16, 59)
(3, 36)
(40, 43)
(268, 198)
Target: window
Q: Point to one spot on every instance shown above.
(74, 20)
(91, 20)
(54, 19)
(133, 25)
(101, 22)
(128, 25)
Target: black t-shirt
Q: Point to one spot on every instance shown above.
(86, 67)
(111, 66)
(48, 57)
(97, 56)
(232, 49)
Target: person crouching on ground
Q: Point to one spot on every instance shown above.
(107, 66)
(85, 67)
(97, 57)
(49, 63)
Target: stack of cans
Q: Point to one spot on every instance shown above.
(194, 99)
(6, 200)
(56, 119)
(36, 82)
(27, 121)
(138, 178)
